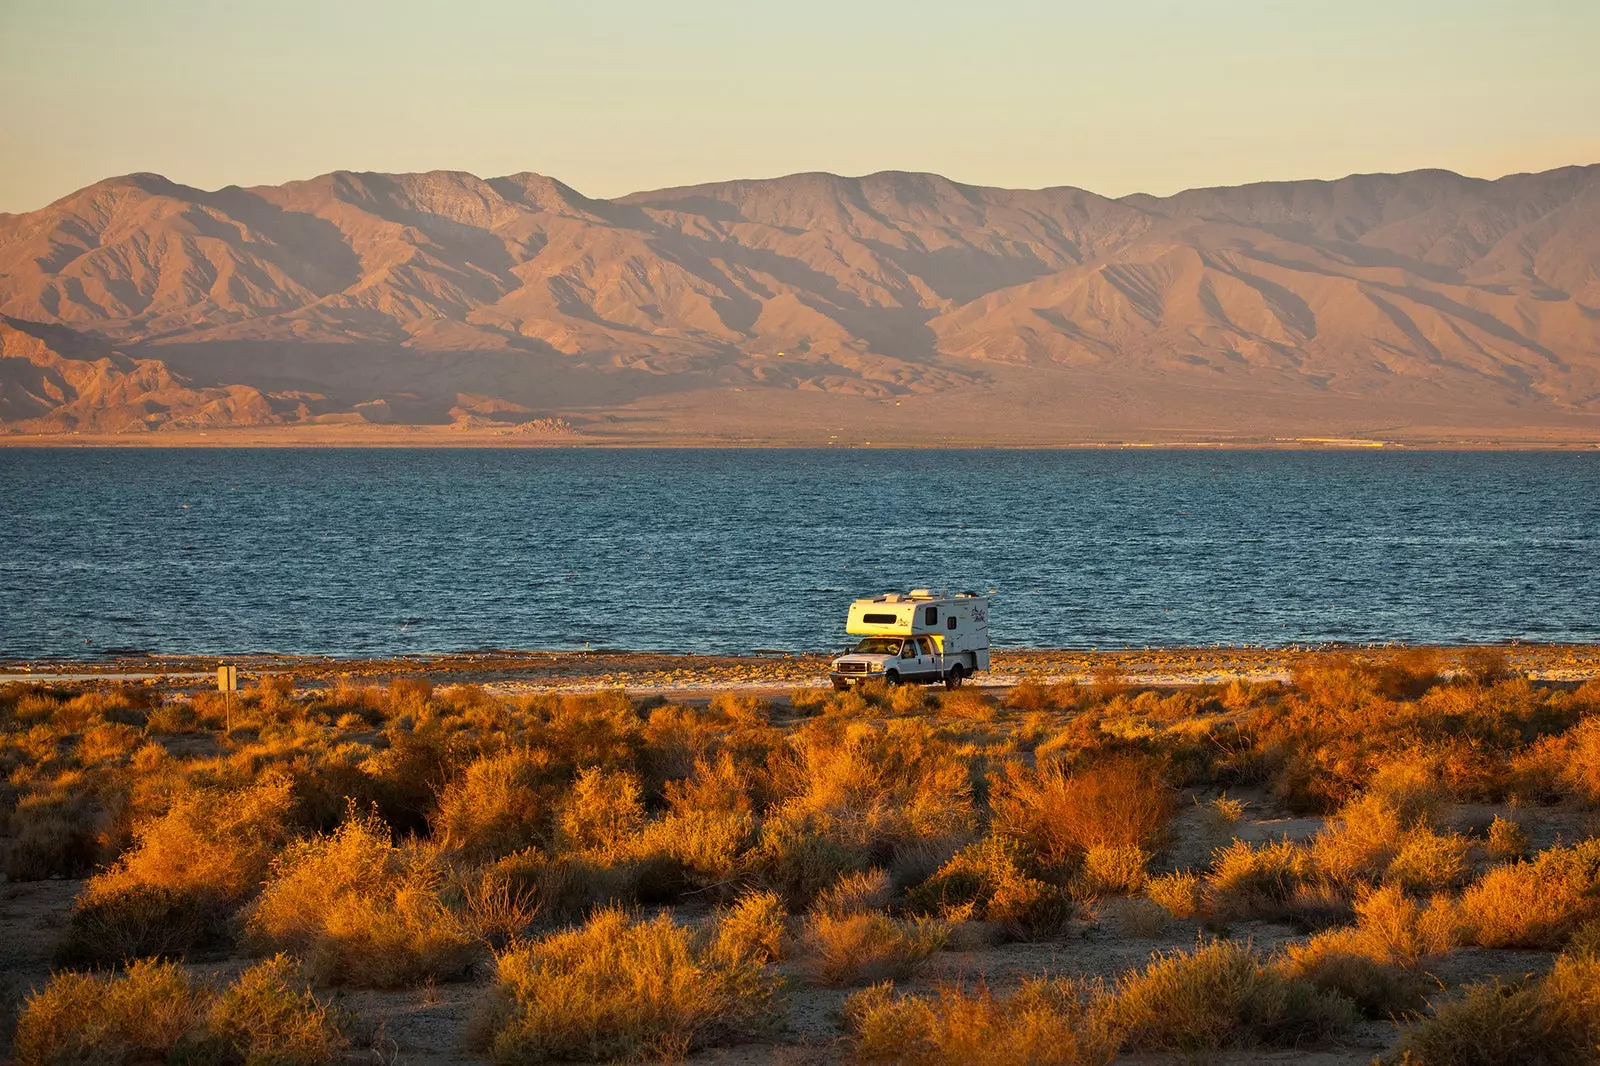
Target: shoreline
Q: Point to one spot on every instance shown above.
(445, 439)
(664, 672)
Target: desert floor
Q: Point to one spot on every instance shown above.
(428, 1024)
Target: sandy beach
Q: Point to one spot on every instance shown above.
(775, 673)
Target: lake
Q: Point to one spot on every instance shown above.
(393, 551)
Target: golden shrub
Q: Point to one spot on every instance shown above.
(361, 910)
(623, 988)
(860, 949)
(1041, 1023)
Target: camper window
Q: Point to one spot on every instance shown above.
(950, 623)
(878, 619)
(931, 616)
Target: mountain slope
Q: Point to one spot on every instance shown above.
(1421, 298)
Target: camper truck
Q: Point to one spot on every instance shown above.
(915, 637)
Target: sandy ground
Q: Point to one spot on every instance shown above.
(670, 673)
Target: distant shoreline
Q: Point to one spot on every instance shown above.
(444, 437)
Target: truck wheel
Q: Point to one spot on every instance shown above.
(892, 677)
(953, 678)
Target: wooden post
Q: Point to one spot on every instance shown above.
(227, 684)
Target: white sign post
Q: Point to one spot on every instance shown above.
(227, 684)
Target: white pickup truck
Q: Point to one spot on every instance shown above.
(915, 637)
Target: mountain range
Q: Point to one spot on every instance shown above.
(892, 307)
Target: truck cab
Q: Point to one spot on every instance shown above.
(915, 638)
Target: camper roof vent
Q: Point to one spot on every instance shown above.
(922, 594)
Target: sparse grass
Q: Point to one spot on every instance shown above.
(625, 988)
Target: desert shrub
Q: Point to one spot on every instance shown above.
(996, 880)
(1222, 995)
(969, 704)
(1374, 963)
(1369, 841)
(268, 1016)
(1535, 904)
(753, 927)
(861, 892)
(1259, 881)
(1549, 1021)
(1138, 917)
(152, 1012)
(1581, 768)
(860, 949)
(849, 794)
(501, 802)
(587, 730)
(908, 699)
(1041, 1023)
(361, 910)
(53, 833)
(498, 908)
(1507, 841)
(1485, 666)
(1428, 861)
(1119, 871)
(677, 739)
(602, 810)
(138, 921)
(1120, 802)
(620, 987)
(799, 862)
(702, 850)
(137, 1016)
(1378, 989)
(1179, 892)
(213, 842)
(172, 716)
(717, 785)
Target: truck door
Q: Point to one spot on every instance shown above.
(929, 664)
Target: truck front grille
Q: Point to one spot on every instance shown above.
(853, 668)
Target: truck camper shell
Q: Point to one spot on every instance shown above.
(952, 631)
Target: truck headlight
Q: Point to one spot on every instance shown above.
(875, 667)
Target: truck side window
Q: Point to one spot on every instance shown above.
(932, 616)
(909, 651)
(950, 623)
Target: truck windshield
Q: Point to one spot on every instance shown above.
(880, 646)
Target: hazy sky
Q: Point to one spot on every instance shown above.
(1117, 97)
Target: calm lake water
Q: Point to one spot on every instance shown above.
(375, 552)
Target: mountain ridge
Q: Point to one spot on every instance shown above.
(764, 307)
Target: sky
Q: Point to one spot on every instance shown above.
(614, 97)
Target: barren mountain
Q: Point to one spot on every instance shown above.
(894, 306)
